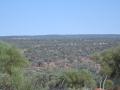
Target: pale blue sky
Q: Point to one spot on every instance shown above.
(39, 17)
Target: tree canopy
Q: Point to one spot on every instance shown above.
(110, 63)
(11, 65)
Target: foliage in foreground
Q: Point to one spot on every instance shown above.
(13, 77)
(12, 64)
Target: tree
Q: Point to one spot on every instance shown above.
(110, 65)
(12, 63)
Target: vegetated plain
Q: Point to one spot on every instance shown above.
(68, 62)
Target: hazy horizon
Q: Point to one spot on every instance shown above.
(61, 17)
(60, 35)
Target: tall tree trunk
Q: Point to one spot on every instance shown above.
(100, 84)
(104, 82)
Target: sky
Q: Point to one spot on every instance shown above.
(43, 17)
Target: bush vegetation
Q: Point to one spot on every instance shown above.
(14, 73)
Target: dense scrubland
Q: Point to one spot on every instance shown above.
(80, 62)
